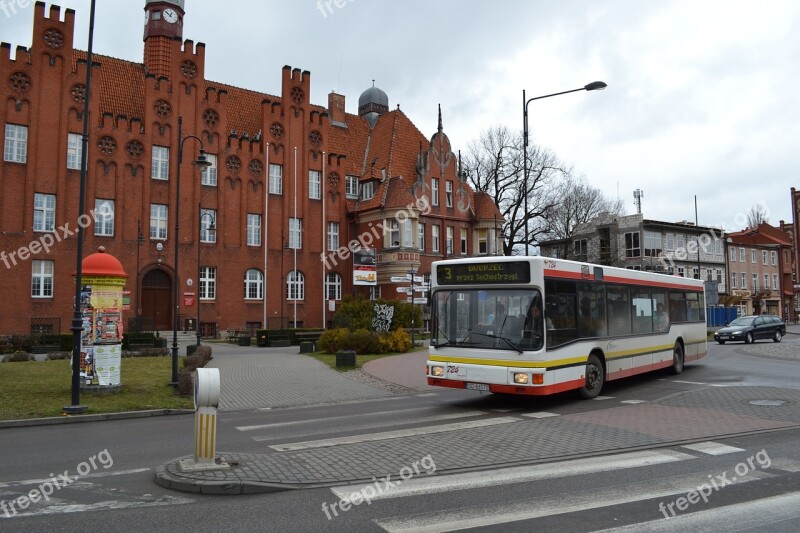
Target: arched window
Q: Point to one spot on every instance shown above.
(253, 285)
(333, 286)
(295, 286)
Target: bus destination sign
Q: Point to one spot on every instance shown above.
(479, 273)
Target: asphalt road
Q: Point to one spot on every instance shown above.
(114, 463)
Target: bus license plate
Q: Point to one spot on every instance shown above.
(476, 386)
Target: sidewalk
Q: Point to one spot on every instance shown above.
(249, 381)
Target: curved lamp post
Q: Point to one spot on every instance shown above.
(201, 162)
(594, 86)
(210, 229)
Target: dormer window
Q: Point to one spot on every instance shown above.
(367, 190)
(351, 187)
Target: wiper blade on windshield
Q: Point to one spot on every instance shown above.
(517, 348)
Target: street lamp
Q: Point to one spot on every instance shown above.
(594, 86)
(203, 163)
(210, 229)
(139, 240)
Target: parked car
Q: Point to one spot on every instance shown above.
(751, 328)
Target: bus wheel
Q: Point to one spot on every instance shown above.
(677, 359)
(595, 378)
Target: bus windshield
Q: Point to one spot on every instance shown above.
(500, 319)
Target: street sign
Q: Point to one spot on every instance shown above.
(398, 279)
(404, 289)
(418, 279)
(420, 300)
(420, 288)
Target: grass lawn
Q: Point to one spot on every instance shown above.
(40, 389)
(330, 358)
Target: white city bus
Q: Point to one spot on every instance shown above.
(538, 325)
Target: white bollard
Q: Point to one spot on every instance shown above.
(206, 401)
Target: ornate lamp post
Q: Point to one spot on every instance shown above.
(210, 229)
(200, 162)
(594, 86)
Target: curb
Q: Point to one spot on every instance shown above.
(168, 480)
(72, 419)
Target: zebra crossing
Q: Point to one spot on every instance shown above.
(655, 493)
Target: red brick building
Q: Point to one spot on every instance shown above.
(760, 269)
(290, 186)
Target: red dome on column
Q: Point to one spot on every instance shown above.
(102, 264)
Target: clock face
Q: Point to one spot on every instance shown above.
(170, 15)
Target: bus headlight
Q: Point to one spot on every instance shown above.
(437, 371)
(520, 378)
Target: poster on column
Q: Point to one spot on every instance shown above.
(107, 358)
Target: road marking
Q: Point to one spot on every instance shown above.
(62, 507)
(634, 402)
(712, 448)
(735, 517)
(369, 437)
(540, 414)
(519, 474)
(356, 416)
(786, 465)
(603, 398)
(424, 394)
(25, 482)
(492, 514)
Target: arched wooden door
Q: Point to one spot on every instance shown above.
(157, 298)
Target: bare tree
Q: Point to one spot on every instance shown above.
(574, 202)
(494, 165)
(757, 215)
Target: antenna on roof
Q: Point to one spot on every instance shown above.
(637, 200)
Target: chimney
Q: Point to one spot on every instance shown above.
(336, 108)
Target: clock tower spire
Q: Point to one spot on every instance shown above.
(163, 23)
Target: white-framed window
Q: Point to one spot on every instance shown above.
(41, 279)
(434, 191)
(448, 193)
(449, 241)
(734, 277)
(295, 286)
(695, 273)
(774, 258)
(764, 257)
(632, 247)
(581, 249)
(16, 144)
(652, 243)
(159, 170)
(253, 229)
(253, 285)
(208, 220)
(208, 283)
(483, 242)
(434, 237)
(103, 217)
(158, 221)
(733, 254)
(351, 187)
(333, 236)
(766, 282)
(314, 187)
(755, 282)
(670, 241)
(463, 241)
(367, 190)
(743, 278)
(209, 174)
(680, 241)
(408, 232)
(275, 179)
(44, 212)
(682, 272)
(74, 150)
(719, 276)
(333, 286)
(774, 282)
(717, 246)
(392, 233)
(741, 255)
(295, 233)
(753, 255)
(421, 236)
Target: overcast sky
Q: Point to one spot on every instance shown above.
(702, 96)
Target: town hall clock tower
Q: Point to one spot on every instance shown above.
(163, 23)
